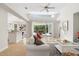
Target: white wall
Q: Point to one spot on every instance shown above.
(50, 28)
(56, 29)
(3, 29)
(67, 14)
(28, 29)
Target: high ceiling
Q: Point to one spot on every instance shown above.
(36, 6)
(36, 10)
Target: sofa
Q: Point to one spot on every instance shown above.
(36, 50)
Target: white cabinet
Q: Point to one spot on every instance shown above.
(11, 37)
(14, 37)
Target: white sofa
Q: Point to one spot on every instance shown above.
(37, 50)
(41, 50)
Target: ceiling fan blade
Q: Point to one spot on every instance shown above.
(51, 7)
(46, 8)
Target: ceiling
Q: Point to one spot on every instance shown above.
(14, 19)
(35, 11)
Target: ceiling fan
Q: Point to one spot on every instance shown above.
(47, 8)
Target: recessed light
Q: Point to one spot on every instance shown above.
(52, 16)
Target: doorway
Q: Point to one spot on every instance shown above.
(16, 29)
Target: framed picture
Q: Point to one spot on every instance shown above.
(65, 25)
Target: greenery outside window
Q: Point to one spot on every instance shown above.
(42, 28)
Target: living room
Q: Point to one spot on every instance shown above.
(58, 23)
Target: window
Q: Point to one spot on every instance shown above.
(42, 28)
(45, 28)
